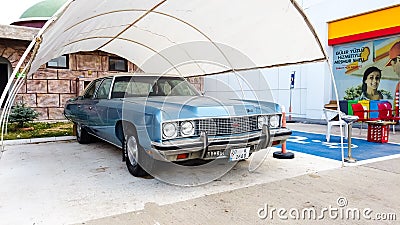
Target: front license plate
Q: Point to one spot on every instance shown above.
(239, 153)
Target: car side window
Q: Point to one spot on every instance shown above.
(119, 88)
(89, 93)
(104, 89)
(128, 87)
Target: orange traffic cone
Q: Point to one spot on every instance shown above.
(283, 154)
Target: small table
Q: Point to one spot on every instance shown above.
(378, 131)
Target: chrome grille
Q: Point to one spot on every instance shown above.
(226, 126)
(207, 125)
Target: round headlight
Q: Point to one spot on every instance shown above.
(261, 120)
(170, 130)
(187, 128)
(274, 121)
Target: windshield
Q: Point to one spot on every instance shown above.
(133, 86)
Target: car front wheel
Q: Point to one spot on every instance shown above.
(82, 136)
(131, 148)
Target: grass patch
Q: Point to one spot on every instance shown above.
(39, 130)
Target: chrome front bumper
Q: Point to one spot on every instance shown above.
(206, 147)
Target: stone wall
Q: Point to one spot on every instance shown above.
(12, 50)
(48, 89)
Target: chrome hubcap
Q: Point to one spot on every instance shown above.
(132, 149)
(78, 130)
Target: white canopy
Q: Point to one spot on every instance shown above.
(187, 37)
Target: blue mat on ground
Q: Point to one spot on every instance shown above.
(315, 144)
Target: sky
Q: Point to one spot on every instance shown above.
(11, 10)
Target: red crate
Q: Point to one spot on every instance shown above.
(378, 133)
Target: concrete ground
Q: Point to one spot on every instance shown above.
(372, 190)
(65, 183)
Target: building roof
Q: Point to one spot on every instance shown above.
(17, 32)
(43, 9)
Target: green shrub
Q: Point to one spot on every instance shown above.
(21, 114)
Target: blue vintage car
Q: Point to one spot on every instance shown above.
(167, 119)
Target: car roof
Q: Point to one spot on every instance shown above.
(139, 75)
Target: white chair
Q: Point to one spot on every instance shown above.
(329, 116)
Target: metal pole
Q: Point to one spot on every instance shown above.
(290, 94)
(349, 158)
(290, 106)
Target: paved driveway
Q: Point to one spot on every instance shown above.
(364, 194)
(65, 182)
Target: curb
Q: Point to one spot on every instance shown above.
(38, 140)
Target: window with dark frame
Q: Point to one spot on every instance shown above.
(86, 83)
(61, 62)
(117, 64)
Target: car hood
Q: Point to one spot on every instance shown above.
(182, 107)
